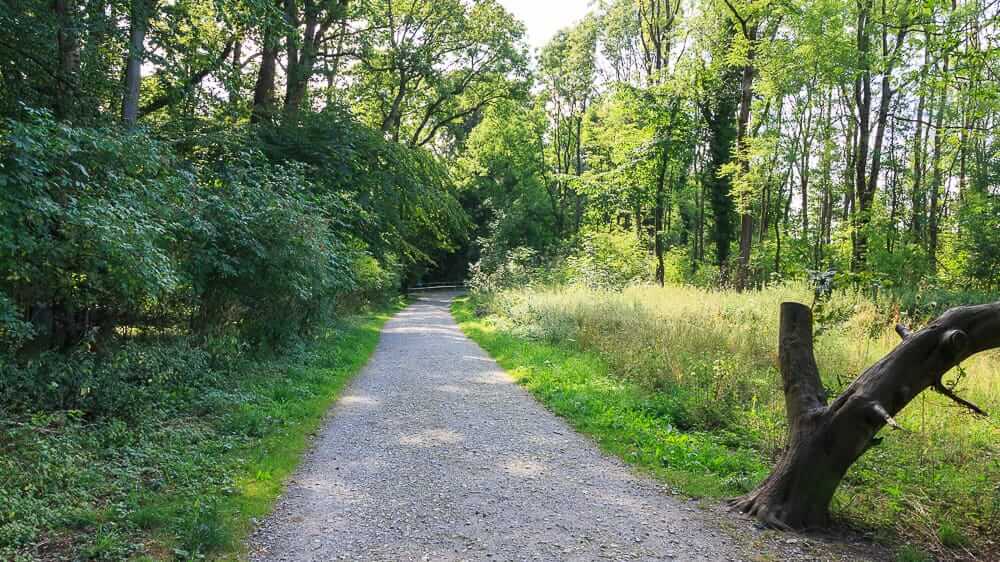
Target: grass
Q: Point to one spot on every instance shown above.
(185, 482)
(624, 418)
(684, 382)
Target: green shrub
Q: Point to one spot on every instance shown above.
(610, 260)
(88, 219)
(121, 383)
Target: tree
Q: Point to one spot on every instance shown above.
(424, 66)
(308, 33)
(825, 440)
(140, 12)
(568, 70)
(749, 18)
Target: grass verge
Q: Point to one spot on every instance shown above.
(185, 482)
(684, 385)
(622, 417)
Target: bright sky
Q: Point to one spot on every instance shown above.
(545, 17)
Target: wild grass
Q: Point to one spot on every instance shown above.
(186, 480)
(707, 360)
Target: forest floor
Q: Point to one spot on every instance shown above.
(434, 453)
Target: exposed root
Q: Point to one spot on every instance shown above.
(749, 505)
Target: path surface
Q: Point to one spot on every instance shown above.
(433, 453)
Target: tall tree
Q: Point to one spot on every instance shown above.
(140, 12)
(425, 66)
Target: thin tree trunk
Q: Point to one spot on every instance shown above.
(918, 197)
(139, 14)
(746, 216)
(68, 43)
(933, 218)
(862, 101)
(658, 228)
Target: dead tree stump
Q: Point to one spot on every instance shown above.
(825, 440)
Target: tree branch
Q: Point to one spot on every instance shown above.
(957, 340)
(178, 93)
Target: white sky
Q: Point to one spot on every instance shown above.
(544, 18)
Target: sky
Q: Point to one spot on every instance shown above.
(545, 17)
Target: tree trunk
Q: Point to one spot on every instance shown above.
(863, 106)
(918, 197)
(139, 13)
(867, 187)
(68, 43)
(263, 91)
(746, 215)
(658, 220)
(296, 45)
(936, 182)
(824, 441)
(722, 132)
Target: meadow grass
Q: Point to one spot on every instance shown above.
(684, 382)
(187, 482)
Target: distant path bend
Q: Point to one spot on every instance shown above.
(433, 453)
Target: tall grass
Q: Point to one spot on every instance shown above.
(715, 353)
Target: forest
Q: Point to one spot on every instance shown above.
(203, 204)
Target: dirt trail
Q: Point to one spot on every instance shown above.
(433, 453)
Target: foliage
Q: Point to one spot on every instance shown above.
(608, 260)
(428, 67)
(183, 455)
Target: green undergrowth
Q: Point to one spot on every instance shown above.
(186, 479)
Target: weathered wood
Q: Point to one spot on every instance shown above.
(824, 441)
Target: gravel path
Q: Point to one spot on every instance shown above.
(433, 453)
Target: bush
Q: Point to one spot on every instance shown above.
(609, 260)
(89, 218)
(519, 267)
(121, 383)
(264, 256)
(107, 233)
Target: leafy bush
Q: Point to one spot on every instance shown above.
(107, 233)
(519, 267)
(121, 383)
(132, 266)
(264, 256)
(610, 260)
(88, 219)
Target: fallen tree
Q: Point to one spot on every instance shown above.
(825, 440)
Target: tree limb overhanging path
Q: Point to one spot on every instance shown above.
(433, 453)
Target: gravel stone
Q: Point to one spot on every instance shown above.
(434, 453)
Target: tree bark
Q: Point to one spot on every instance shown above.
(824, 441)
(139, 14)
(743, 122)
(68, 43)
(722, 132)
(863, 106)
(658, 220)
(867, 184)
(263, 91)
(936, 182)
(918, 197)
